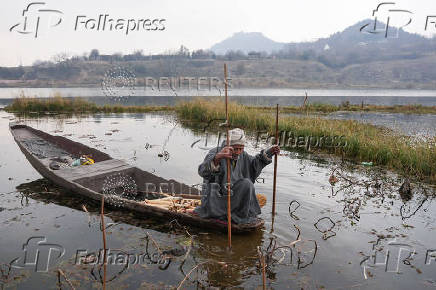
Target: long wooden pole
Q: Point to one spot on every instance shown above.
(275, 163)
(229, 207)
(103, 228)
(262, 265)
(305, 100)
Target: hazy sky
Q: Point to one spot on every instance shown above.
(193, 23)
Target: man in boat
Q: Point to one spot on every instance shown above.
(244, 171)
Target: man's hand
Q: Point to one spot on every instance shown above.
(226, 152)
(275, 149)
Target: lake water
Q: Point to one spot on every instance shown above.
(381, 242)
(283, 97)
(419, 126)
(416, 125)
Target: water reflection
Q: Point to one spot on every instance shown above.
(381, 189)
(191, 246)
(345, 219)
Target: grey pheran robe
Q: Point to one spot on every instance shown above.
(244, 204)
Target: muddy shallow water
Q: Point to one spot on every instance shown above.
(359, 234)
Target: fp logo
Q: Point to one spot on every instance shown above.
(38, 254)
(34, 17)
(390, 255)
(394, 17)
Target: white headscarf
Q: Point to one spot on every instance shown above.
(237, 137)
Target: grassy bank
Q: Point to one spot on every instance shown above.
(364, 142)
(61, 105)
(77, 105)
(328, 108)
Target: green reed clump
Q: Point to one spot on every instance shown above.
(59, 104)
(362, 142)
(346, 106)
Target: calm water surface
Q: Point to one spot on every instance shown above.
(261, 97)
(364, 222)
(407, 124)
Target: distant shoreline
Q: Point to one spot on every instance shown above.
(61, 104)
(303, 86)
(257, 97)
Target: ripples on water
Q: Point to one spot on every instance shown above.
(360, 218)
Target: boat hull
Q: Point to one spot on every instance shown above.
(86, 180)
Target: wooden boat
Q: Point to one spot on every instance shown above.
(41, 148)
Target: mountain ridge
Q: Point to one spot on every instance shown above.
(244, 41)
(255, 41)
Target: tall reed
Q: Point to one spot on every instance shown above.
(363, 142)
(59, 104)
